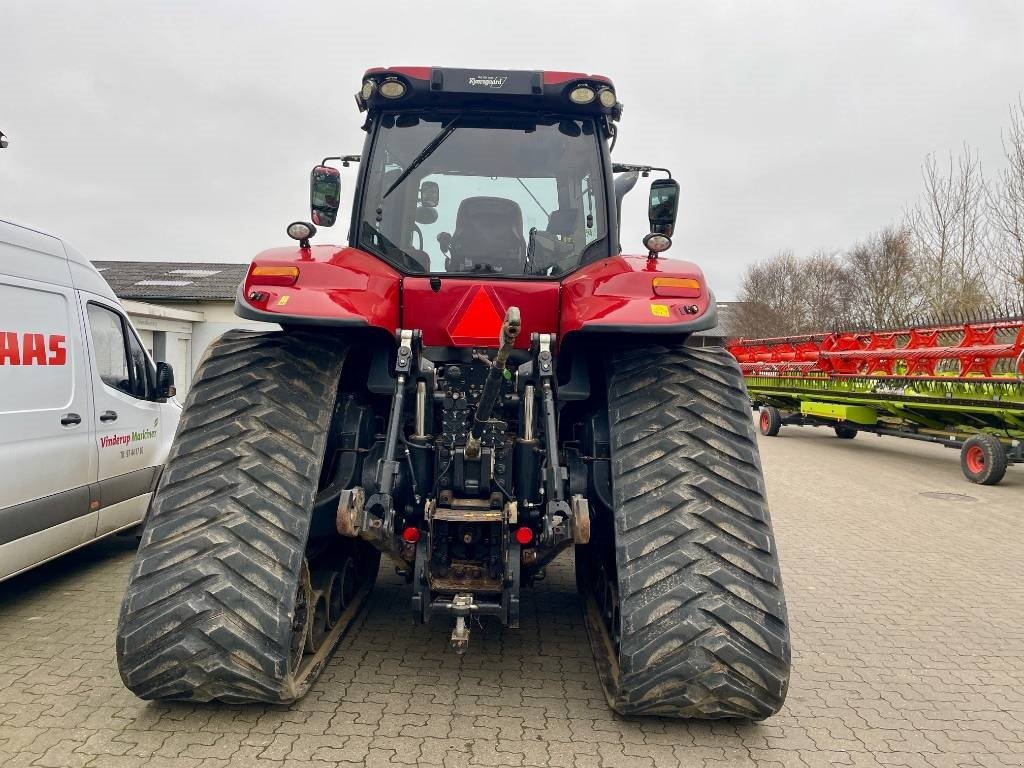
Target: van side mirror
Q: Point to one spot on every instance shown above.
(324, 195)
(164, 382)
(663, 205)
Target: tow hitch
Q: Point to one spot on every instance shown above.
(461, 608)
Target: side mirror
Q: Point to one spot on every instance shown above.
(425, 215)
(164, 381)
(430, 195)
(324, 195)
(444, 240)
(663, 205)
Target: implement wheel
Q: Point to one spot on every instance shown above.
(685, 608)
(770, 421)
(983, 460)
(844, 432)
(221, 601)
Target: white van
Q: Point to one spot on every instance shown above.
(86, 418)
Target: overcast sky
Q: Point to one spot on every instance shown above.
(185, 130)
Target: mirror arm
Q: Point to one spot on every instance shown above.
(345, 159)
(643, 170)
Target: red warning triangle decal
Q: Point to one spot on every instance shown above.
(480, 319)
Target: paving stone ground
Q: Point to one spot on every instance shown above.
(906, 596)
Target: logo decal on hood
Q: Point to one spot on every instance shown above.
(486, 81)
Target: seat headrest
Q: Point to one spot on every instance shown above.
(564, 221)
(496, 210)
(489, 230)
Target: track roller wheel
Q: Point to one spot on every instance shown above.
(683, 593)
(770, 421)
(225, 599)
(983, 459)
(302, 616)
(330, 584)
(317, 615)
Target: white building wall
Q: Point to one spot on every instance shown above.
(219, 317)
(179, 333)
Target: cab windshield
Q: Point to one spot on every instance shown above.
(505, 196)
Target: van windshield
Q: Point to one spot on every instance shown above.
(503, 196)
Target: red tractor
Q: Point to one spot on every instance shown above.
(478, 382)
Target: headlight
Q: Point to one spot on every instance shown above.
(368, 88)
(392, 89)
(607, 98)
(582, 94)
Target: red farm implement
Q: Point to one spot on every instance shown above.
(959, 384)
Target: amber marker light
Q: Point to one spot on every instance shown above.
(275, 275)
(679, 287)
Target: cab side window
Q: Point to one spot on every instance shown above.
(120, 359)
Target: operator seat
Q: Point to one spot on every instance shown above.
(488, 231)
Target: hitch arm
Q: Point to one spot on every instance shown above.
(553, 474)
(379, 509)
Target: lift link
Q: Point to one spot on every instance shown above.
(492, 385)
(555, 528)
(379, 509)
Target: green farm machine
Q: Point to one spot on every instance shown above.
(959, 384)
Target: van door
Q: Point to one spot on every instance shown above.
(47, 461)
(129, 433)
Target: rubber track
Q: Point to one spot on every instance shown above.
(208, 610)
(704, 628)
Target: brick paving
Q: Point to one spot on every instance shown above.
(907, 613)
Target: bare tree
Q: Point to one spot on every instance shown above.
(1006, 211)
(950, 232)
(885, 280)
(823, 293)
(787, 296)
(766, 297)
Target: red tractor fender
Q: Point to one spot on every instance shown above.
(620, 295)
(333, 286)
(323, 285)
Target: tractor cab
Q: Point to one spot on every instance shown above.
(489, 174)
(504, 195)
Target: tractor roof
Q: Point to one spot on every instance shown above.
(401, 88)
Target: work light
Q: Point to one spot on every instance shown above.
(392, 89)
(582, 94)
(657, 243)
